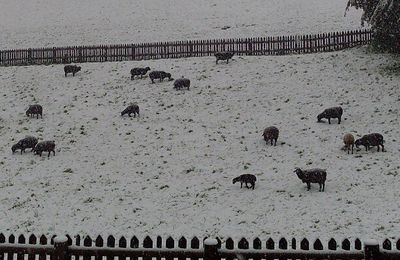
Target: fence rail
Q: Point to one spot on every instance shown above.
(84, 248)
(278, 45)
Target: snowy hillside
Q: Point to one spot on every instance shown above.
(44, 23)
(170, 171)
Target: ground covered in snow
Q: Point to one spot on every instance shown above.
(170, 171)
(48, 23)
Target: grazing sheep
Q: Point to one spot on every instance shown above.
(225, 55)
(333, 112)
(71, 69)
(271, 133)
(348, 140)
(368, 140)
(45, 146)
(27, 142)
(182, 83)
(35, 110)
(134, 108)
(159, 75)
(139, 72)
(312, 176)
(246, 178)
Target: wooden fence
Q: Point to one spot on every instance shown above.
(85, 248)
(280, 45)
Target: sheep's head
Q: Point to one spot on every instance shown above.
(147, 68)
(235, 180)
(358, 142)
(78, 68)
(168, 75)
(15, 147)
(320, 116)
(299, 172)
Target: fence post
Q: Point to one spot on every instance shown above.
(371, 249)
(60, 248)
(211, 249)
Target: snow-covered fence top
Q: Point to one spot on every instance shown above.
(277, 45)
(85, 248)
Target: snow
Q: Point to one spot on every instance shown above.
(169, 171)
(48, 23)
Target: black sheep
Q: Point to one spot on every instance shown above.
(159, 75)
(271, 134)
(333, 112)
(246, 178)
(182, 83)
(223, 56)
(139, 72)
(27, 142)
(45, 146)
(35, 110)
(312, 176)
(71, 69)
(134, 108)
(374, 139)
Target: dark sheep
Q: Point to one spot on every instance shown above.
(246, 178)
(223, 56)
(368, 140)
(271, 134)
(134, 108)
(27, 142)
(312, 176)
(182, 83)
(159, 75)
(35, 110)
(45, 146)
(71, 69)
(333, 112)
(139, 72)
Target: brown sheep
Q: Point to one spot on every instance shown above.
(348, 140)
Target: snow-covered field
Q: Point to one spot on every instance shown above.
(40, 23)
(170, 171)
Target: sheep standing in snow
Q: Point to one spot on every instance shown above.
(246, 178)
(35, 110)
(348, 140)
(333, 112)
(27, 142)
(312, 176)
(225, 55)
(45, 146)
(182, 83)
(159, 75)
(134, 108)
(71, 69)
(139, 72)
(368, 140)
(271, 134)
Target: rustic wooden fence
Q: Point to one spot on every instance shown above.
(86, 248)
(280, 45)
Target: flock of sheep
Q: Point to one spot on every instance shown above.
(270, 134)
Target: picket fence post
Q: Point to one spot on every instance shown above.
(60, 248)
(371, 250)
(211, 249)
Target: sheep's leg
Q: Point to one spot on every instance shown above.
(308, 186)
(339, 120)
(275, 141)
(129, 114)
(49, 154)
(329, 120)
(272, 141)
(21, 151)
(352, 148)
(37, 116)
(383, 148)
(227, 61)
(253, 184)
(216, 62)
(378, 147)
(54, 153)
